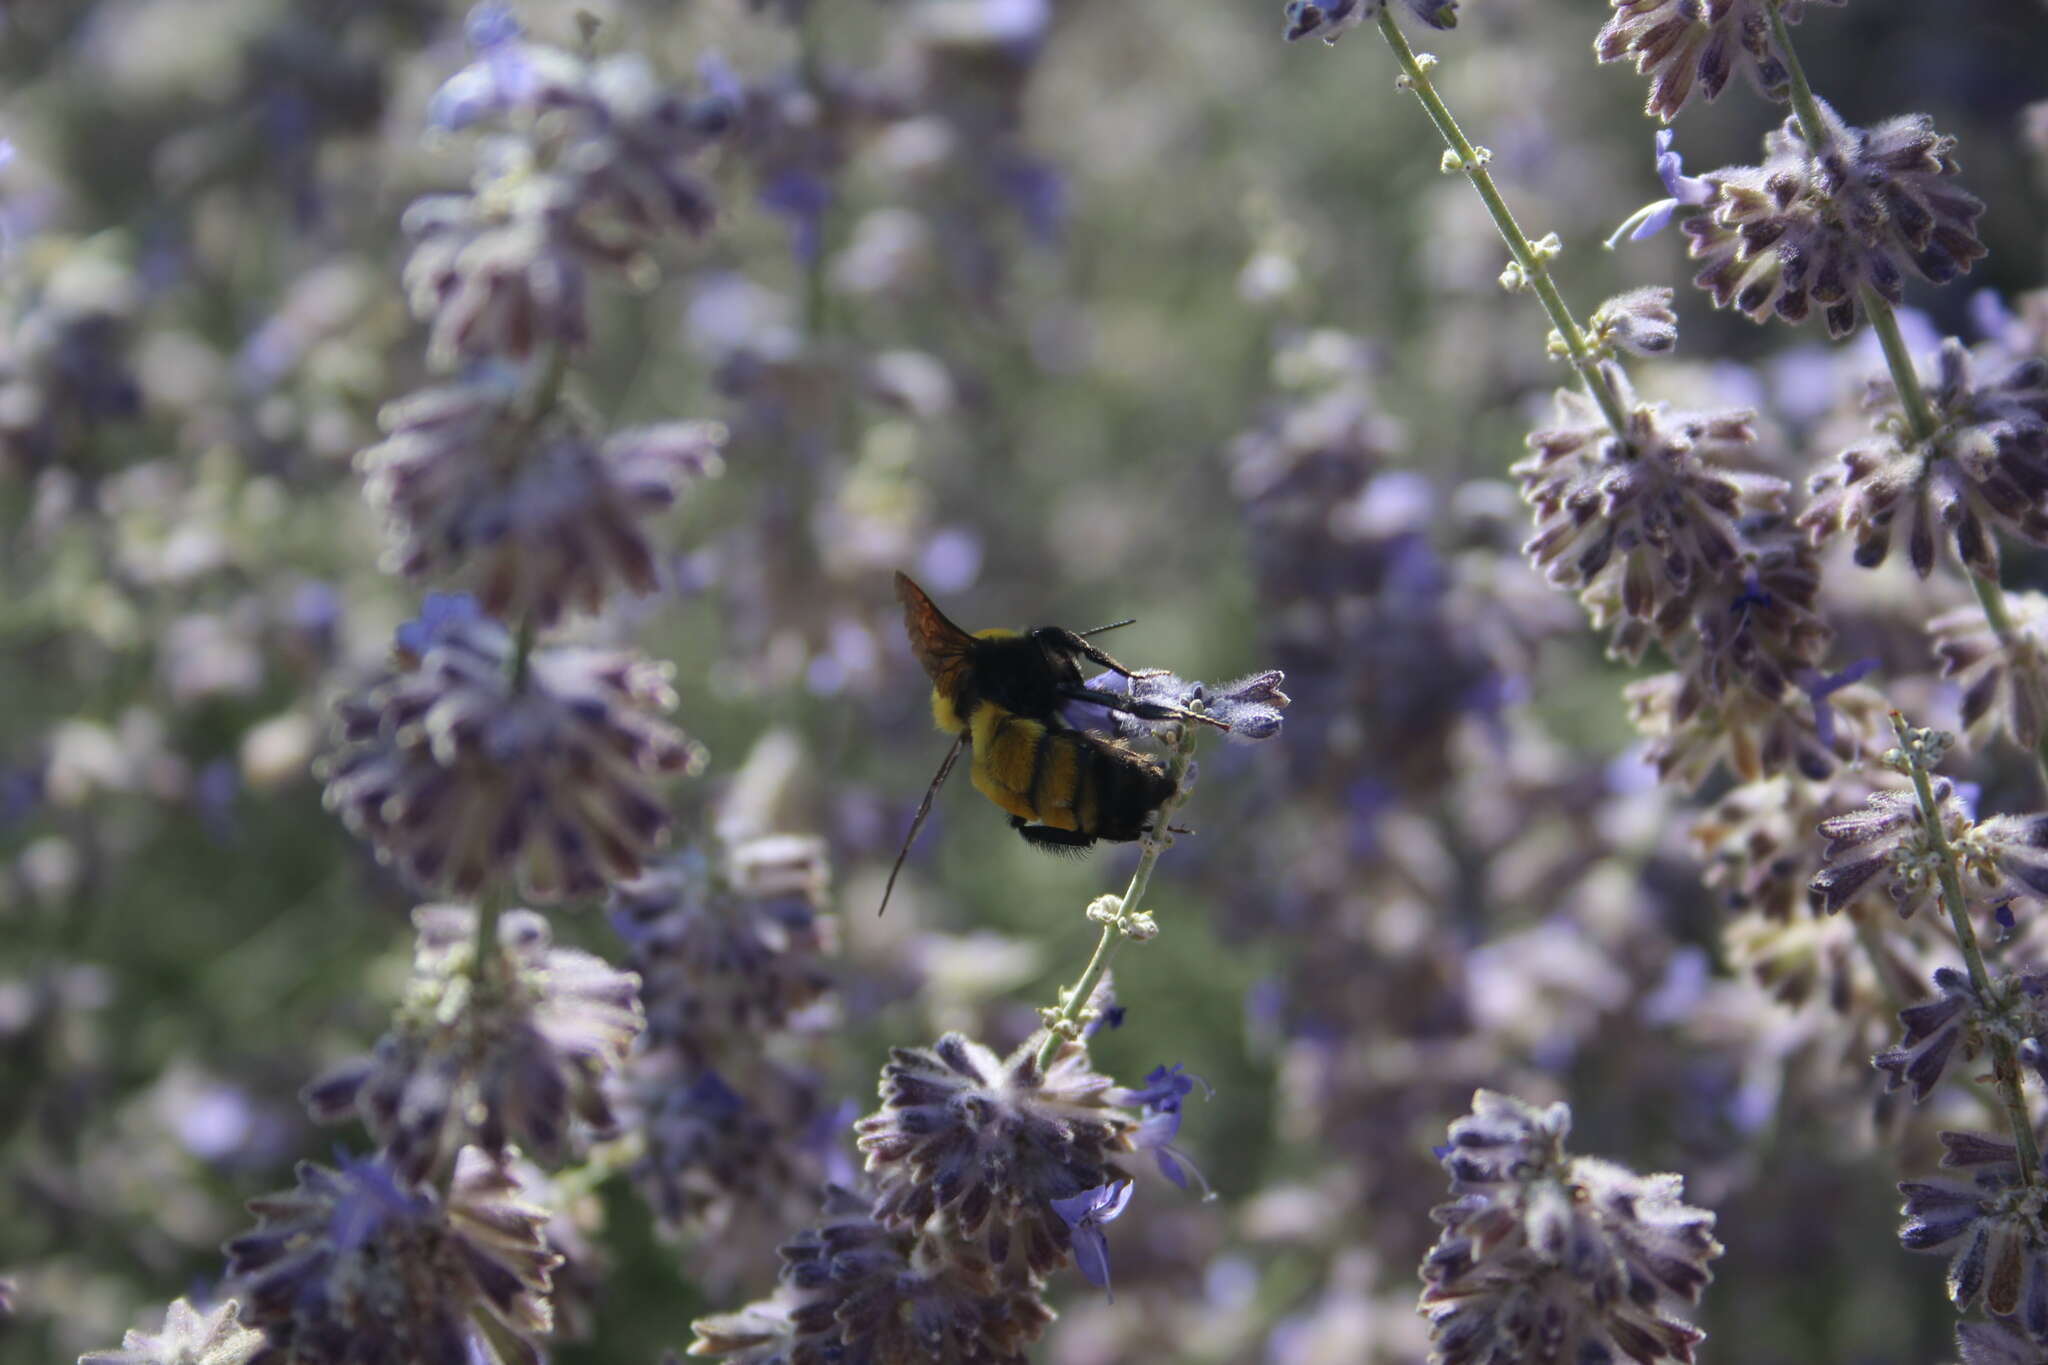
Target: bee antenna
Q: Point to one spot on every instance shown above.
(1113, 625)
(924, 808)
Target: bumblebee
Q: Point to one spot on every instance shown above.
(1000, 694)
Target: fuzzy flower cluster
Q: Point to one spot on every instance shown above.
(1548, 1257)
(736, 1133)
(1689, 47)
(353, 1264)
(1890, 837)
(1331, 19)
(1983, 471)
(985, 1175)
(463, 763)
(512, 1050)
(2004, 682)
(852, 1288)
(489, 482)
(1990, 1225)
(590, 168)
(1368, 620)
(1822, 220)
(1672, 535)
(533, 513)
(65, 368)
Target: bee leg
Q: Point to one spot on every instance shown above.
(1143, 710)
(1061, 841)
(1067, 639)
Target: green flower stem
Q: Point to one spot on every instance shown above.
(1920, 423)
(2005, 1067)
(549, 376)
(1804, 106)
(522, 652)
(1581, 353)
(1062, 1021)
(490, 903)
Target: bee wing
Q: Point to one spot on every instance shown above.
(940, 645)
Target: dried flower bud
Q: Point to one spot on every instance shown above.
(506, 1052)
(1815, 224)
(1997, 1343)
(503, 269)
(1640, 321)
(460, 766)
(1693, 728)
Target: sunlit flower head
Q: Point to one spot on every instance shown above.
(1816, 224)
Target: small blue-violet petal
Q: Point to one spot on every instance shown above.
(1085, 1215)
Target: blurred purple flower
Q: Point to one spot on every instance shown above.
(801, 200)
(1040, 194)
(1159, 1101)
(1820, 686)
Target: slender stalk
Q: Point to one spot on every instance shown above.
(1075, 999)
(1804, 106)
(522, 652)
(1534, 268)
(1920, 422)
(2005, 1067)
(490, 903)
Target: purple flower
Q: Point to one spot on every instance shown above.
(490, 25)
(1159, 1123)
(1685, 191)
(1819, 686)
(800, 199)
(1086, 1214)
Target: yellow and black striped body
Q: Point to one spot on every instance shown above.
(1061, 778)
(1001, 692)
